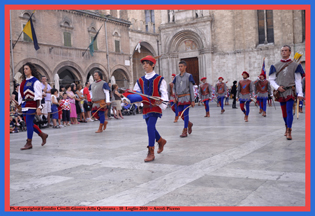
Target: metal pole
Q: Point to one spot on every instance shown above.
(11, 51)
(107, 53)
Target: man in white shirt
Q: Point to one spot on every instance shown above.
(153, 85)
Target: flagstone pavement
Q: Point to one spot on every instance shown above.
(224, 162)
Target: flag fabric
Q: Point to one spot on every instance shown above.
(263, 69)
(30, 31)
(91, 44)
(135, 98)
(138, 47)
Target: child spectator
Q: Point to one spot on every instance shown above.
(54, 107)
(65, 105)
(59, 112)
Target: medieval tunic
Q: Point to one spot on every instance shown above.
(184, 88)
(154, 85)
(220, 89)
(205, 91)
(262, 89)
(100, 91)
(288, 77)
(244, 90)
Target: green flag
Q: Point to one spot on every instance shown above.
(91, 44)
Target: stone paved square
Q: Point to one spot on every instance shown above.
(224, 162)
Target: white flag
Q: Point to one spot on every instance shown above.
(138, 47)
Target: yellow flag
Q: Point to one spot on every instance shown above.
(28, 29)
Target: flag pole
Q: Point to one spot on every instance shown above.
(11, 50)
(22, 31)
(91, 41)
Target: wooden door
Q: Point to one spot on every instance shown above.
(193, 68)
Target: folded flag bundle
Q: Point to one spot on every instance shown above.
(136, 98)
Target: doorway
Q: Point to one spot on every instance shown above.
(193, 68)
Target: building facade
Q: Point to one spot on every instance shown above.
(214, 43)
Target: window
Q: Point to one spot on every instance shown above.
(303, 25)
(149, 17)
(265, 26)
(67, 39)
(95, 42)
(25, 36)
(117, 46)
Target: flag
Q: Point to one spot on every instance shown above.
(263, 69)
(30, 31)
(138, 47)
(135, 98)
(91, 44)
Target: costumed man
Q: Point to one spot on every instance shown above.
(221, 91)
(29, 97)
(205, 90)
(171, 95)
(184, 96)
(154, 85)
(100, 99)
(262, 89)
(285, 76)
(244, 94)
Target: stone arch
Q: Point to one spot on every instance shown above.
(121, 75)
(146, 49)
(25, 14)
(116, 33)
(182, 35)
(42, 68)
(96, 66)
(72, 67)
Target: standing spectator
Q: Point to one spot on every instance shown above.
(54, 107)
(61, 92)
(71, 98)
(227, 96)
(233, 93)
(87, 102)
(65, 105)
(47, 107)
(15, 92)
(117, 97)
(80, 102)
(73, 113)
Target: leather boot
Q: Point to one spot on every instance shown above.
(176, 119)
(264, 114)
(222, 111)
(161, 143)
(28, 145)
(207, 114)
(100, 128)
(289, 137)
(190, 127)
(286, 130)
(150, 156)
(246, 118)
(184, 133)
(260, 111)
(301, 110)
(105, 124)
(44, 137)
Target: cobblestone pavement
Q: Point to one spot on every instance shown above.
(224, 162)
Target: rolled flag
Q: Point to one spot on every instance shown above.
(138, 47)
(136, 98)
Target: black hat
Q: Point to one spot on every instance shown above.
(235, 82)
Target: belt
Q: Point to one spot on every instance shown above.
(29, 99)
(289, 87)
(99, 101)
(183, 95)
(148, 106)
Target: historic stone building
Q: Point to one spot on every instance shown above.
(63, 37)
(213, 42)
(227, 42)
